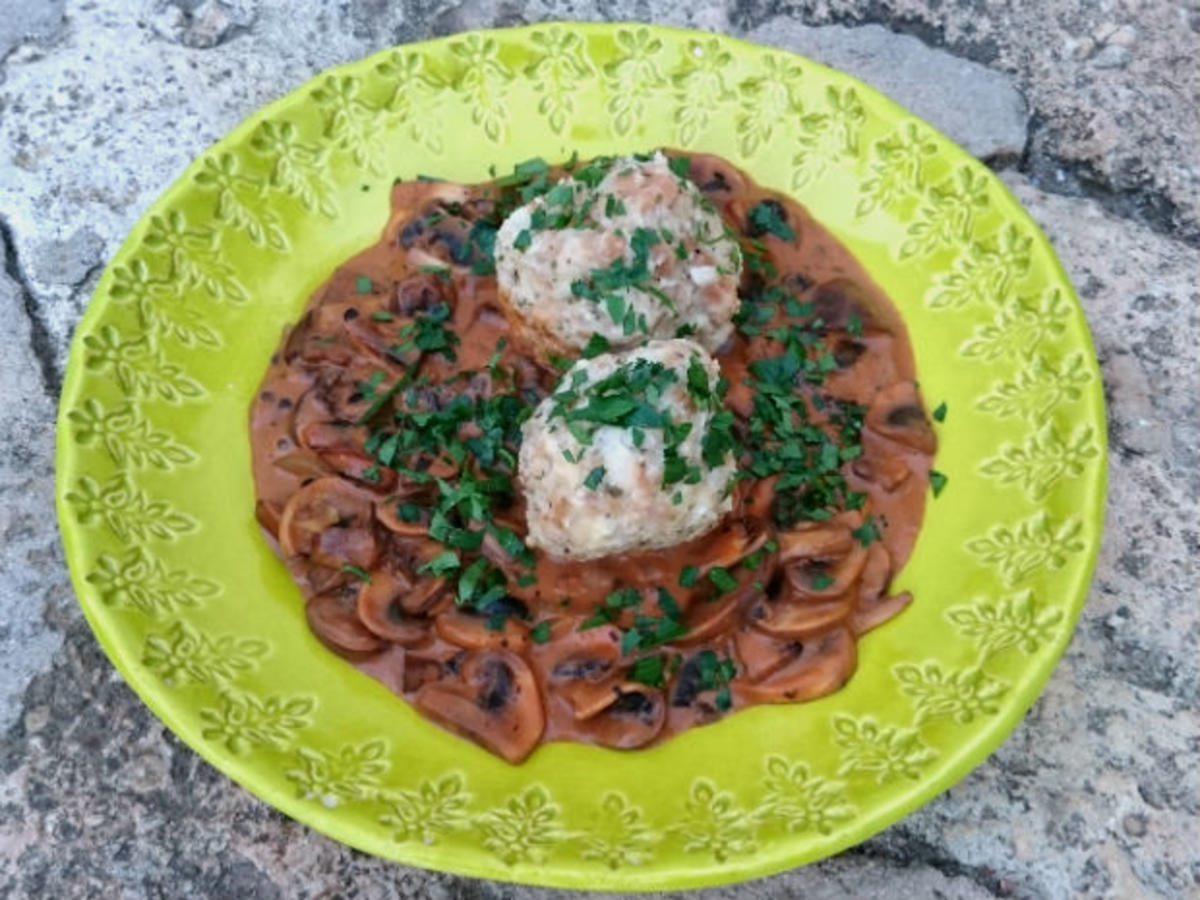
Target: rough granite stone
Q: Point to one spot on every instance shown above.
(1094, 795)
(973, 105)
(1114, 87)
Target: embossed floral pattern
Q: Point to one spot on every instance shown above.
(413, 108)
(352, 773)
(184, 655)
(239, 201)
(195, 255)
(899, 168)
(768, 101)
(1016, 621)
(298, 168)
(1020, 550)
(351, 123)
(127, 510)
(633, 76)
(828, 136)
(801, 800)
(1043, 459)
(886, 753)
(562, 63)
(159, 309)
(948, 214)
(521, 829)
(700, 87)
(986, 272)
(962, 694)
(482, 82)
(143, 582)
(243, 721)
(1019, 329)
(1038, 389)
(714, 824)
(141, 370)
(432, 809)
(621, 838)
(128, 438)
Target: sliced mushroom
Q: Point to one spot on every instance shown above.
(884, 469)
(330, 520)
(418, 293)
(826, 577)
(268, 512)
(794, 618)
(388, 511)
(381, 610)
(873, 613)
(571, 655)
(814, 542)
(333, 618)
(629, 715)
(471, 630)
(495, 703)
(302, 464)
(896, 414)
(821, 667)
(760, 654)
(364, 470)
(715, 176)
(840, 300)
(875, 573)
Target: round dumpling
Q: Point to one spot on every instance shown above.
(626, 249)
(632, 451)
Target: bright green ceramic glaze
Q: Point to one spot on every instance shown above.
(155, 496)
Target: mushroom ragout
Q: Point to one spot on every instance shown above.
(394, 431)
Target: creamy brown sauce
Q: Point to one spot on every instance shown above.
(788, 627)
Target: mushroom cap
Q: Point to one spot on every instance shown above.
(495, 703)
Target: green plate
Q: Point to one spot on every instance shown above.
(155, 497)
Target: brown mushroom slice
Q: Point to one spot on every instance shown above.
(631, 717)
(821, 667)
(302, 464)
(418, 293)
(322, 436)
(821, 578)
(268, 513)
(364, 470)
(884, 469)
(495, 704)
(731, 546)
(388, 511)
(797, 618)
(380, 609)
(572, 655)
(873, 613)
(840, 300)
(875, 573)
(333, 618)
(346, 546)
(470, 630)
(315, 508)
(426, 596)
(820, 542)
(707, 619)
(896, 414)
(760, 655)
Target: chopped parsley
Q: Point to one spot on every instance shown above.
(594, 477)
(937, 482)
(768, 217)
(939, 414)
(363, 285)
(688, 576)
(540, 633)
(358, 572)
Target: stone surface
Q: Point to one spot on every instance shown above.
(1113, 86)
(1095, 795)
(975, 106)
